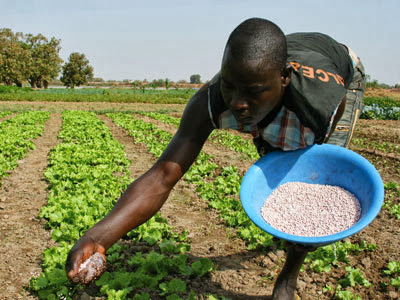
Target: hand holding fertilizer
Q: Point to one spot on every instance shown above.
(90, 269)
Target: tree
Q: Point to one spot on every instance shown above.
(28, 57)
(136, 84)
(158, 83)
(45, 63)
(14, 57)
(195, 78)
(76, 71)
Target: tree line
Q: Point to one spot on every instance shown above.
(162, 83)
(374, 84)
(35, 59)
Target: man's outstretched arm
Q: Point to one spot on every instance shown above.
(145, 196)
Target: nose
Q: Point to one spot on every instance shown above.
(239, 103)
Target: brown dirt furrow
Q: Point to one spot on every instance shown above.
(184, 210)
(376, 153)
(22, 235)
(378, 131)
(388, 168)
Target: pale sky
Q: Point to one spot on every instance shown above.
(173, 39)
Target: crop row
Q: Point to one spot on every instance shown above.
(381, 109)
(77, 196)
(392, 198)
(13, 93)
(96, 95)
(81, 175)
(384, 102)
(376, 144)
(16, 135)
(83, 188)
(377, 112)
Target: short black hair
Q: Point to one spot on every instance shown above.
(257, 38)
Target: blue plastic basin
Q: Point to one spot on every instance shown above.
(319, 164)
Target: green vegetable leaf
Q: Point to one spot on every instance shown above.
(202, 266)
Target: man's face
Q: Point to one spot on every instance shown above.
(250, 90)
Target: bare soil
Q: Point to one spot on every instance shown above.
(240, 274)
(391, 93)
(23, 237)
(89, 106)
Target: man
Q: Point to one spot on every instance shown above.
(288, 92)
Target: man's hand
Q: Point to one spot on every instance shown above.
(79, 270)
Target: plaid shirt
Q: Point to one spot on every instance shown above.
(284, 132)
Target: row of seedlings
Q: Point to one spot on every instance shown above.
(16, 137)
(87, 173)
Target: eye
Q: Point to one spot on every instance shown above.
(256, 92)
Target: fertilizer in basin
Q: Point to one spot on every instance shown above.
(311, 210)
(317, 164)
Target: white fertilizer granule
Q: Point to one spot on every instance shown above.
(311, 210)
(90, 269)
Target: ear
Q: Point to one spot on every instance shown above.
(285, 75)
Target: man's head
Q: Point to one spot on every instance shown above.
(254, 71)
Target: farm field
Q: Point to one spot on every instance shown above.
(201, 245)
